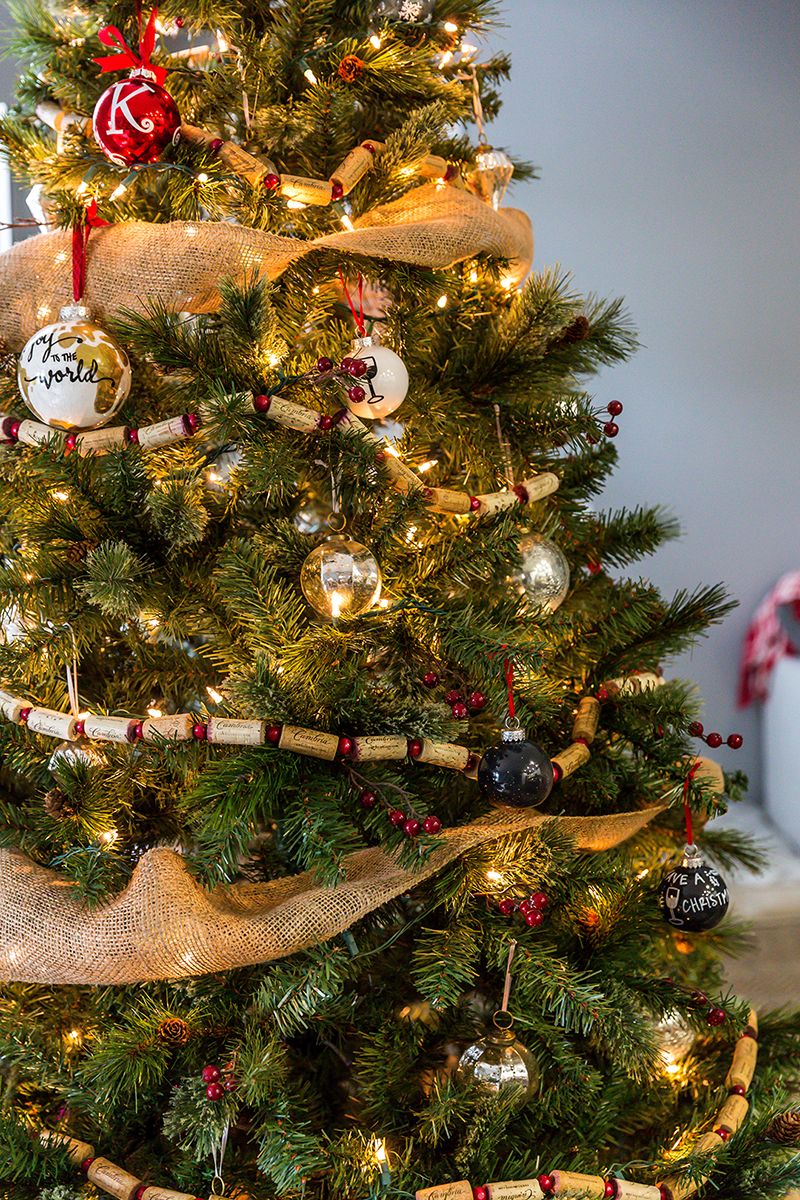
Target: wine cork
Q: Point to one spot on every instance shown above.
(11, 706)
(680, 1189)
(572, 758)
(709, 1143)
(52, 723)
(348, 422)
(113, 1179)
(628, 1190)
(473, 762)
(160, 1193)
(585, 1185)
(353, 169)
(57, 119)
(389, 747)
(732, 1113)
(447, 500)
(33, 433)
(444, 754)
(447, 1191)
(108, 729)
(743, 1065)
(586, 719)
(193, 133)
(252, 170)
(164, 433)
(177, 727)
(292, 416)
(306, 191)
(752, 1021)
(226, 731)
(632, 685)
(77, 1151)
(314, 743)
(709, 773)
(496, 502)
(433, 166)
(516, 1189)
(401, 476)
(98, 441)
(540, 486)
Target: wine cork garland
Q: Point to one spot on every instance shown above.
(98, 441)
(729, 1118)
(103, 1173)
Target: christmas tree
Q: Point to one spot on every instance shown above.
(343, 794)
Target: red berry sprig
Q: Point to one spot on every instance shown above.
(531, 910)
(212, 1076)
(462, 702)
(715, 740)
(611, 428)
(410, 824)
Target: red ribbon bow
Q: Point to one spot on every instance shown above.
(127, 58)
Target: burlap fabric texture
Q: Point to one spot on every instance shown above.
(179, 264)
(166, 926)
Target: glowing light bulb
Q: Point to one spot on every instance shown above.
(379, 1149)
(82, 188)
(310, 76)
(202, 177)
(375, 41)
(108, 837)
(338, 603)
(348, 224)
(215, 695)
(155, 712)
(494, 876)
(427, 466)
(441, 302)
(296, 204)
(61, 496)
(450, 27)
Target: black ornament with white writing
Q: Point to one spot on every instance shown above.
(517, 772)
(693, 896)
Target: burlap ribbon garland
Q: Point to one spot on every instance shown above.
(179, 264)
(165, 925)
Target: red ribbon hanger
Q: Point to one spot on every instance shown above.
(80, 239)
(687, 812)
(358, 317)
(127, 59)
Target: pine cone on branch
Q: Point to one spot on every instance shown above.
(174, 1031)
(58, 805)
(785, 1128)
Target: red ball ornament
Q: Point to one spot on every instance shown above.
(460, 710)
(271, 181)
(200, 731)
(346, 747)
(534, 918)
(610, 1185)
(430, 679)
(476, 701)
(273, 734)
(337, 191)
(474, 503)
(715, 1016)
(411, 827)
(714, 740)
(135, 120)
(547, 1183)
(261, 403)
(432, 824)
(414, 747)
(735, 741)
(480, 1193)
(215, 1091)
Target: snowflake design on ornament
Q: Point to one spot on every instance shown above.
(410, 10)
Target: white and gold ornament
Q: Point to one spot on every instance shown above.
(72, 374)
(544, 572)
(382, 388)
(340, 577)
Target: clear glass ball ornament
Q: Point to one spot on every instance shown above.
(312, 515)
(340, 577)
(69, 753)
(499, 1064)
(674, 1037)
(544, 573)
(491, 175)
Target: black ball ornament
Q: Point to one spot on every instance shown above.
(517, 773)
(693, 896)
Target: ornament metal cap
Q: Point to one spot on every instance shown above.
(361, 343)
(512, 731)
(692, 858)
(75, 312)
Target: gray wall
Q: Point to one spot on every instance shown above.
(667, 136)
(666, 132)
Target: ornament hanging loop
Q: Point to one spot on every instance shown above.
(503, 1020)
(337, 522)
(217, 1186)
(358, 316)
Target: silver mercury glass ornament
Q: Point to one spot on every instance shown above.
(544, 571)
(674, 1036)
(499, 1064)
(491, 175)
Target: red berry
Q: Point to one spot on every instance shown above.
(521, 493)
(200, 731)
(476, 701)
(737, 1090)
(70, 442)
(414, 747)
(273, 734)
(735, 741)
(539, 900)
(658, 732)
(324, 365)
(215, 1091)
(369, 147)
(231, 1085)
(722, 1132)
(136, 732)
(507, 906)
(695, 729)
(699, 998)
(547, 1183)
(357, 368)
(611, 429)
(452, 697)
(411, 827)
(346, 747)
(191, 422)
(610, 1189)
(345, 365)
(180, 22)
(261, 403)
(557, 772)
(460, 710)
(132, 436)
(368, 798)
(602, 693)
(215, 145)
(534, 918)
(715, 1016)
(430, 679)
(614, 408)
(474, 503)
(325, 422)
(480, 1193)
(211, 1074)
(337, 191)
(272, 181)
(525, 907)
(450, 172)
(397, 817)
(714, 740)
(80, 728)
(23, 716)
(432, 824)
(356, 393)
